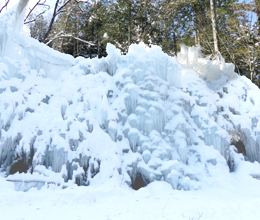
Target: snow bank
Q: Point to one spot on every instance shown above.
(133, 119)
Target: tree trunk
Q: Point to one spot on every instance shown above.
(77, 34)
(74, 47)
(98, 48)
(257, 4)
(65, 28)
(214, 25)
(129, 23)
(196, 21)
(175, 43)
(52, 21)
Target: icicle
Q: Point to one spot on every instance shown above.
(186, 183)
(146, 156)
(131, 100)
(133, 137)
(133, 121)
(113, 56)
(148, 124)
(90, 121)
(112, 129)
(173, 179)
(104, 111)
(213, 69)
(64, 106)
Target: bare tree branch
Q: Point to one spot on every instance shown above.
(33, 20)
(52, 20)
(62, 6)
(39, 3)
(5, 5)
(78, 2)
(70, 36)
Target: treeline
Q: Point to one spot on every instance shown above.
(83, 28)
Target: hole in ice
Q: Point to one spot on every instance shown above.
(139, 181)
(240, 147)
(13, 89)
(110, 94)
(29, 110)
(220, 95)
(46, 100)
(2, 90)
(19, 166)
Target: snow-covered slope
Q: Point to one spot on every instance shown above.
(131, 119)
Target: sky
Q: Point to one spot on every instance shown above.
(31, 3)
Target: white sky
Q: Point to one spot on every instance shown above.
(31, 3)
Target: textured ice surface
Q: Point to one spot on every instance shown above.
(137, 118)
(16, 45)
(213, 70)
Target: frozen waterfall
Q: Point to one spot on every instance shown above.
(134, 118)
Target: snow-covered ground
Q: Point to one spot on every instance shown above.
(238, 199)
(139, 136)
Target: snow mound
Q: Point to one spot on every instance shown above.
(133, 119)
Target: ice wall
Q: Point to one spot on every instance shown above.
(213, 70)
(16, 45)
(131, 119)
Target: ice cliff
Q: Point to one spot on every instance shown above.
(133, 119)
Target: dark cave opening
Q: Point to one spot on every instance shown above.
(23, 162)
(139, 181)
(19, 166)
(240, 147)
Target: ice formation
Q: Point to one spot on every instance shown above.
(16, 45)
(134, 118)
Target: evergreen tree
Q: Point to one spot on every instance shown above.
(39, 28)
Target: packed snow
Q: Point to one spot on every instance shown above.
(136, 136)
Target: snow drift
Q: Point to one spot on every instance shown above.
(133, 119)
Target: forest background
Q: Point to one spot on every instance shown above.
(84, 27)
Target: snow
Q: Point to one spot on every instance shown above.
(156, 201)
(138, 136)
